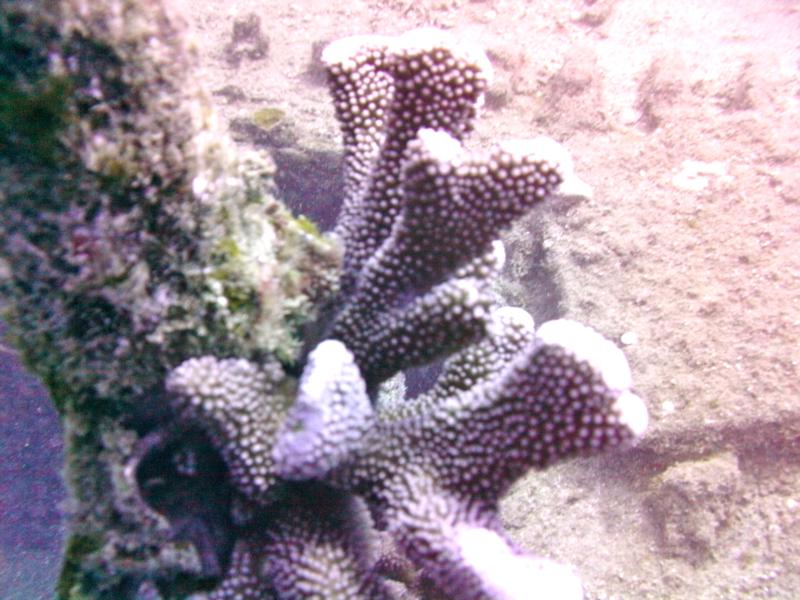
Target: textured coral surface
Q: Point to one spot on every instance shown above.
(419, 226)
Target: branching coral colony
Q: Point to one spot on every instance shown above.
(419, 228)
(158, 290)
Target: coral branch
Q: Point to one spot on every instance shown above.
(329, 419)
(385, 90)
(234, 402)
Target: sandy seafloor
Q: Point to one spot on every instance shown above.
(683, 118)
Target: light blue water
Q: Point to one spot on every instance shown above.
(31, 492)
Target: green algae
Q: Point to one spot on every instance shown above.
(30, 120)
(70, 584)
(308, 226)
(268, 117)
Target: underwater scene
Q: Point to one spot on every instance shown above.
(399, 300)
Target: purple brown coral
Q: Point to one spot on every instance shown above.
(419, 229)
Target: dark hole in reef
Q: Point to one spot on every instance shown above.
(547, 302)
(187, 481)
(420, 379)
(92, 316)
(538, 273)
(145, 416)
(311, 184)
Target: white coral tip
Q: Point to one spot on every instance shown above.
(588, 345)
(341, 52)
(508, 575)
(512, 315)
(440, 146)
(632, 412)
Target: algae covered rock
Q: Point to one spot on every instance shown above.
(133, 237)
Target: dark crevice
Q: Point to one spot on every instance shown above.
(183, 478)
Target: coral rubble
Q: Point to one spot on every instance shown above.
(232, 463)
